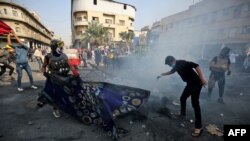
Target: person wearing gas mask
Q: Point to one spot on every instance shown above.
(218, 67)
(96, 103)
(58, 67)
(191, 74)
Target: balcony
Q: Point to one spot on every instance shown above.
(109, 25)
(78, 37)
(130, 28)
(79, 23)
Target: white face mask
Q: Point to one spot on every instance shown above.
(59, 50)
(173, 64)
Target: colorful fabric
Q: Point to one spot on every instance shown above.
(96, 103)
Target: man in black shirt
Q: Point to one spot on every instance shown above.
(195, 80)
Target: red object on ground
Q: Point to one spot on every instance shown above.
(4, 28)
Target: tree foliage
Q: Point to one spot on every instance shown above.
(96, 34)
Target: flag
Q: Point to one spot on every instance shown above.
(4, 28)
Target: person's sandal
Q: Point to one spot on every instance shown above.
(195, 134)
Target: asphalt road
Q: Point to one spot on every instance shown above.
(20, 120)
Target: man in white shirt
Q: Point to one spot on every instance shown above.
(38, 55)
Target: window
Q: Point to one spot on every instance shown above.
(166, 28)
(18, 30)
(108, 21)
(237, 11)
(205, 19)
(95, 2)
(226, 12)
(221, 32)
(78, 18)
(85, 17)
(5, 11)
(110, 34)
(121, 22)
(246, 29)
(196, 19)
(15, 13)
(131, 24)
(234, 31)
(95, 19)
(171, 25)
(125, 6)
(214, 16)
(79, 33)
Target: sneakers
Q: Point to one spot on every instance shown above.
(221, 101)
(33, 87)
(56, 113)
(20, 89)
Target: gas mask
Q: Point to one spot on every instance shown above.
(57, 47)
(173, 65)
(59, 50)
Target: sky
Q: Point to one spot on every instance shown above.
(55, 14)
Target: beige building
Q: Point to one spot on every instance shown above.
(207, 26)
(26, 24)
(115, 16)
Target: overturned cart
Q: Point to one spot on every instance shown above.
(92, 102)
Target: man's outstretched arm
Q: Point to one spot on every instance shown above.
(164, 74)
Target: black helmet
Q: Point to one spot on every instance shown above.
(55, 44)
(169, 60)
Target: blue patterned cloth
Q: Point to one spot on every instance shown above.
(96, 103)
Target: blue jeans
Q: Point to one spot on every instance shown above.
(19, 69)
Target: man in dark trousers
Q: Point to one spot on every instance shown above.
(4, 55)
(190, 73)
(218, 67)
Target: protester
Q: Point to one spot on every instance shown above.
(195, 80)
(39, 57)
(31, 54)
(21, 61)
(4, 55)
(98, 56)
(84, 57)
(232, 58)
(57, 63)
(218, 66)
(92, 103)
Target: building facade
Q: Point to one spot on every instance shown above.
(26, 24)
(209, 25)
(115, 16)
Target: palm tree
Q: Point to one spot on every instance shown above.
(96, 34)
(127, 37)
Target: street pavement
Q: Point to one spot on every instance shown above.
(21, 120)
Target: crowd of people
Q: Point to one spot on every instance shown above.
(109, 57)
